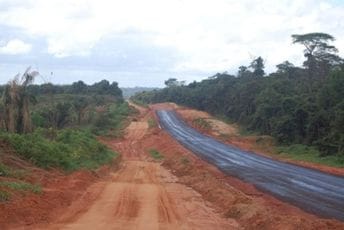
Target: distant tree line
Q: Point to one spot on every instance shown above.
(100, 88)
(24, 106)
(294, 104)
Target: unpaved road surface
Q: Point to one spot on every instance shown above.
(141, 195)
(311, 190)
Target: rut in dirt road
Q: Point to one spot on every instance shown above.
(143, 195)
(311, 190)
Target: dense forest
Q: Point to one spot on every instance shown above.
(296, 105)
(56, 125)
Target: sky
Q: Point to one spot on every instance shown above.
(145, 42)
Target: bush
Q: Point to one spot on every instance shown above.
(4, 196)
(201, 123)
(311, 154)
(152, 123)
(21, 186)
(9, 172)
(155, 154)
(69, 150)
(110, 122)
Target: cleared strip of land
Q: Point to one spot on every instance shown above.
(313, 191)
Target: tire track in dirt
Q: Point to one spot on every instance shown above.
(142, 195)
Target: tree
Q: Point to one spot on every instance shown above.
(285, 67)
(320, 55)
(79, 87)
(316, 45)
(80, 104)
(244, 71)
(258, 67)
(171, 82)
(16, 101)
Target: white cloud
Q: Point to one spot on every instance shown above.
(208, 35)
(14, 47)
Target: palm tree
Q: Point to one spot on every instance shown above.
(16, 103)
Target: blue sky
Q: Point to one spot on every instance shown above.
(143, 43)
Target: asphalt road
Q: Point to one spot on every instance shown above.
(311, 190)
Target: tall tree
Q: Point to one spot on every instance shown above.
(320, 55)
(258, 67)
(244, 71)
(16, 101)
(171, 82)
(285, 67)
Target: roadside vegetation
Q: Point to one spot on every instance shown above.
(6, 171)
(56, 126)
(297, 105)
(156, 154)
(152, 123)
(201, 123)
(66, 149)
(310, 154)
(21, 186)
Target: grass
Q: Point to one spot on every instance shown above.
(21, 186)
(155, 154)
(9, 172)
(4, 196)
(184, 160)
(69, 149)
(111, 121)
(310, 154)
(152, 123)
(201, 123)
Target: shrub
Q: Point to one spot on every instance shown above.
(152, 123)
(69, 150)
(4, 196)
(9, 172)
(21, 186)
(201, 123)
(155, 154)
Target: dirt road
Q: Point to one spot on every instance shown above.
(180, 191)
(141, 195)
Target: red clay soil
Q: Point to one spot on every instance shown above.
(178, 192)
(59, 191)
(141, 195)
(252, 208)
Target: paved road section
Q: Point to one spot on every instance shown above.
(311, 190)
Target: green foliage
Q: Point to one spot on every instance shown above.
(295, 105)
(258, 67)
(4, 170)
(9, 172)
(152, 123)
(4, 196)
(111, 121)
(156, 154)
(201, 123)
(88, 109)
(21, 186)
(101, 114)
(78, 88)
(310, 154)
(69, 150)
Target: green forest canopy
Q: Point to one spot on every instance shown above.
(296, 105)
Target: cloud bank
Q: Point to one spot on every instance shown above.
(145, 42)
